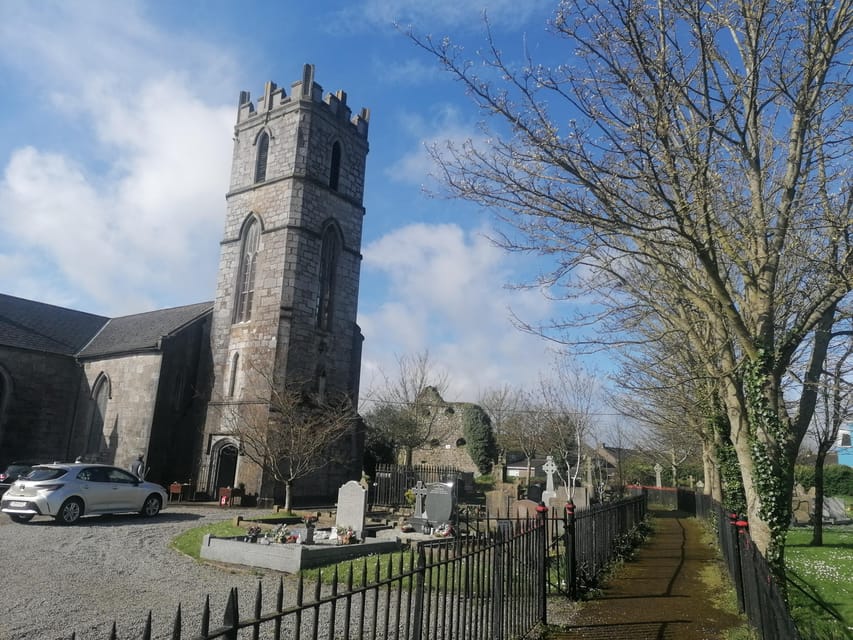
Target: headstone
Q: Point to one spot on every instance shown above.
(525, 509)
(352, 506)
(498, 504)
(420, 492)
(534, 492)
(658, 469)
(550, 468)
(439, 504)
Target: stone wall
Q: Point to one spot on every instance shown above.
(42, 395)
(294, 204)
(134, 381)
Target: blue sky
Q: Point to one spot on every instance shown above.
(115, 150)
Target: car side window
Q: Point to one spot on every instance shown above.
(91, 475)
(120, 475)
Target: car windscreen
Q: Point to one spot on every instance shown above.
(45, 473)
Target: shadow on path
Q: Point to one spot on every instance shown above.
(659, 595)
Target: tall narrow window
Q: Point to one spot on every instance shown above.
(335, 168)
(232, 380)
(261, 160)
(328, 266)
(246, 275)
(100, 396)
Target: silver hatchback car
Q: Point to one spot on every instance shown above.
(69, 491)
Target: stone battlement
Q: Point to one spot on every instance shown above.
(304, 89)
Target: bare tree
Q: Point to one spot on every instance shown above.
(289, 432)
(709, 144)
(502, 404)
(404, 407)
(835, 408)
(569, 395)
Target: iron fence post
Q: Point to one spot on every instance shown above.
(418, 613)
(571, 550)
(738, 577)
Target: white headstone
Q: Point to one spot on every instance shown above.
(420, 492)
(549, 468)
(352, 505)
(658, 469)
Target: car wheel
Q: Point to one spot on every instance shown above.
(20, 518)
(70, 511)
(151, 506)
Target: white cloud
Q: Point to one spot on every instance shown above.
(139, 228)
(444, 128)
(446, 294)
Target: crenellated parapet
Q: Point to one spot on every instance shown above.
(305, 89)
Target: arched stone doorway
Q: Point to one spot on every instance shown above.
(225, 465)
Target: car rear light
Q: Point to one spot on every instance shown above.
(50, 487)
(3, 476)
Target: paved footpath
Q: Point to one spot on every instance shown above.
(658, 595)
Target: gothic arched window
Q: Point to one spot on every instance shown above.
(100, 397)
(329, 252)
(246, 275)
(335, 168)
(263, 154)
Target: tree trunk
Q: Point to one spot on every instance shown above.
(288, 495)
(768, 512)
(817, 531)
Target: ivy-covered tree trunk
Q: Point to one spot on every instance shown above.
(766, 451)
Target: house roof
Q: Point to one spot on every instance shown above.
(37, 326)
(142, 331)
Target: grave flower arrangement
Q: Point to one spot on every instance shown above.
(282, 535)
(252, 533)
(346, 535)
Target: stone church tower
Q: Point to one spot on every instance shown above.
(287, 289)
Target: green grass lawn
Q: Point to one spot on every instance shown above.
(189, 542)
(821, 582)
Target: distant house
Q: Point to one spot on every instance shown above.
(521, 468)
(844, 445)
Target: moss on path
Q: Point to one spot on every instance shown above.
(659, 595)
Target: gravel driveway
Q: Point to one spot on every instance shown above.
(58, 580)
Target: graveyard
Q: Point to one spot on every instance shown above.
(352, 529)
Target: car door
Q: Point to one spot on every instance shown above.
(93, 487)
(124, 488)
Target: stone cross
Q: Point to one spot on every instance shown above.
(549, 468)
(658, 469)
(420, 491)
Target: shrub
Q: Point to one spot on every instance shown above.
(479, 437)
(838, 480)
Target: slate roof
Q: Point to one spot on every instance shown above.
(27, 324)
(142, 331)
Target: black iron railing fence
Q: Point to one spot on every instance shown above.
(478, 586)
(490, 581)
(391, 481)
(758, 592)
